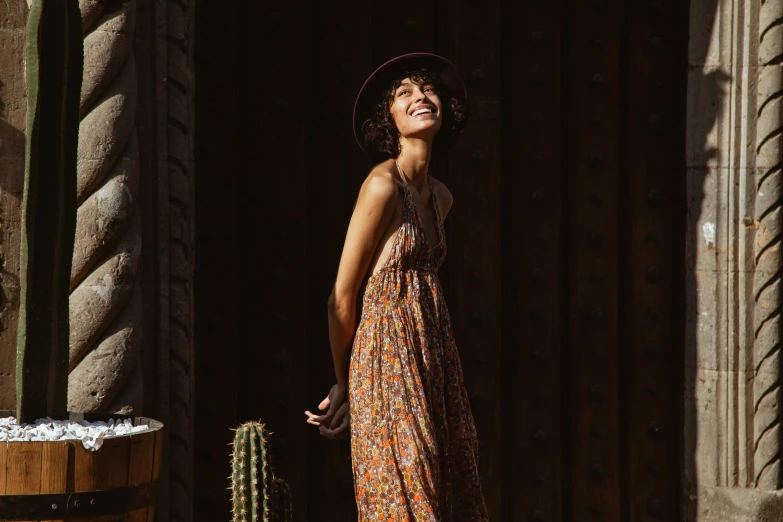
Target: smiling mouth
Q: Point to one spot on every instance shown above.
(419, 112)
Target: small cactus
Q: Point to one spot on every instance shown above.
(257, 495)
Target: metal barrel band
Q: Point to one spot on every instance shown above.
(72, 506)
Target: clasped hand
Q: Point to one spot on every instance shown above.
(335, 422)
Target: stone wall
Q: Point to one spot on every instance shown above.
(13, 113)
(732, 367)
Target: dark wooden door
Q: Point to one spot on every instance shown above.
(565, 262)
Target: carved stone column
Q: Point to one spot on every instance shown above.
(105, 307)
(106, 295)
(732, 366)
(106, 315)
(767, 250)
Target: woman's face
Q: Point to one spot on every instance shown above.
(416, 110)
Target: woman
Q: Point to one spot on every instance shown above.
(414, 450)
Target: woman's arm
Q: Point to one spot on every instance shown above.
(374, 209)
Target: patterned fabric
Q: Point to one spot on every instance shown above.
(414, 449)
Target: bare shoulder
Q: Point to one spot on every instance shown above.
(381, 182)
(379, 189)
(443, 194)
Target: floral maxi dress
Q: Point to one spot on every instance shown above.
(414, 449)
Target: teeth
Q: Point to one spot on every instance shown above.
(421, 111)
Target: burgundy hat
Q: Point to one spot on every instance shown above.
(369, 94)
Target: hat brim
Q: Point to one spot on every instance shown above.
(381, 78)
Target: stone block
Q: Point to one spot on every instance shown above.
(710, 31)
(716, 432)
(705, 339)
(704, 440)
(720, 504)
(706, 230)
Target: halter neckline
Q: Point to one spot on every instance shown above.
(439, 235)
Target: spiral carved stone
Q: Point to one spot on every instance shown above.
(105, 302)
(767, 250)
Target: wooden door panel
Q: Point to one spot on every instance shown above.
(532, 263)
(565, 242)
(654, 255)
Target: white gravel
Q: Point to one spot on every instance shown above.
(92, 434)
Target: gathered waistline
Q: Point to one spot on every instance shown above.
(395, 269)
(377, 286)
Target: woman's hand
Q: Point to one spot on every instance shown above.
(335, 422)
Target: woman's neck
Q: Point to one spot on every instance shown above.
(415, 162)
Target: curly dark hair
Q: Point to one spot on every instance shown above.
(380, 134)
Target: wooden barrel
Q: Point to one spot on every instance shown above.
(53, 481)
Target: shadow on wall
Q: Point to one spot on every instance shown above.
(11, 153)
(703, 115)
(12, 144)
(12, 149)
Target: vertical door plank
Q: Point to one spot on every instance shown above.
(655, 177)
(532, 260)
(275, 114)
(336, 169)
(593, 155)
(401, 31)
(217, 285)
(475, 176)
